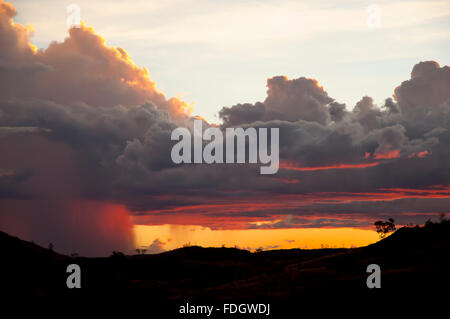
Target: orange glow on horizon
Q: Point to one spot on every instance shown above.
(175, 236)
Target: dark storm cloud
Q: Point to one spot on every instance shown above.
(10, 182)
(427, 88)
(287, 100)
(67, 114)
(242, 113)
(337, 111)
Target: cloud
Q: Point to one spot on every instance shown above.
(289, 100)
(82, 68)
(156, 247)
(42, 199)
(67, 114)
(427, 88)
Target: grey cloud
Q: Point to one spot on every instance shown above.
(428, 87)
(289, 100)
(337, 111)
(242, 113)
(156, 247)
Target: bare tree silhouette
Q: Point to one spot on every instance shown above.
(385, 227)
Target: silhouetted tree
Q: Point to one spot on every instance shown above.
(385, 227)
(141, 251)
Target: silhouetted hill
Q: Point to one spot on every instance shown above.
(412, 260)
(28, 269)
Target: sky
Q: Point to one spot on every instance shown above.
(86, 116)
(220, 53)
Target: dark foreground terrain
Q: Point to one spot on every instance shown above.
(414, 261)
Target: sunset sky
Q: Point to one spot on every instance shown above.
(220, 53)
(86, 116)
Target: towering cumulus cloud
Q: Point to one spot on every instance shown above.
(81, 69)
(85, 150)
(66, 114)
(289, 100)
